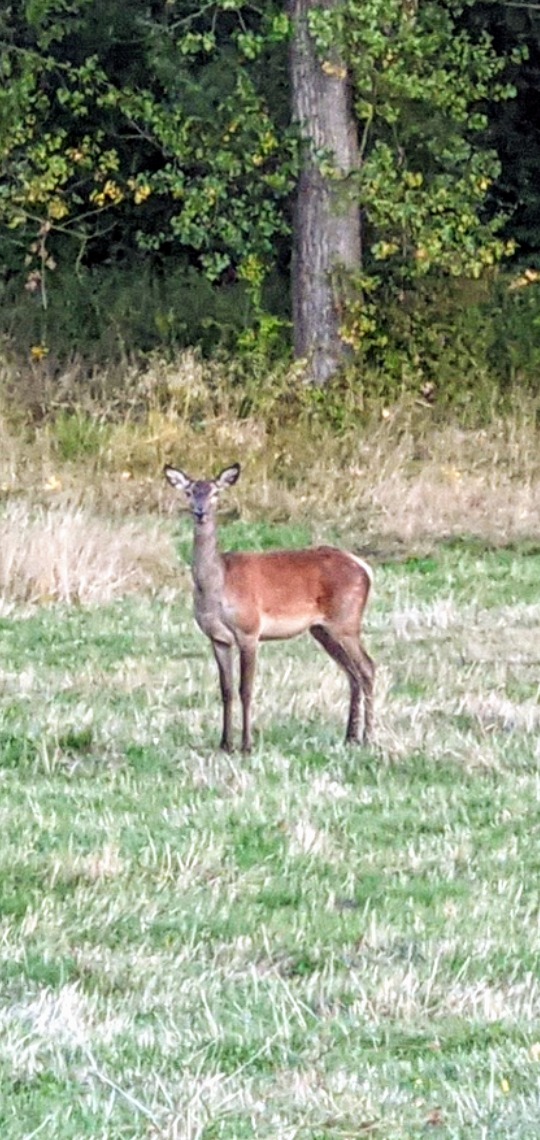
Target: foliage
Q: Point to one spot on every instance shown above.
(420, 82)
(167, 144)
(113, 311)
(513, 126)
(514, 350)
(459, 347)
(148, 162)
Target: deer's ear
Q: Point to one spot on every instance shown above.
(177, 478)
(228, 476)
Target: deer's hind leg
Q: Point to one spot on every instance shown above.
(248, 662)
(346, 651)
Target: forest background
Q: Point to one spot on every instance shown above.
(151, 158)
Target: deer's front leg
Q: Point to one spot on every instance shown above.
(224, 656)
(248, 661)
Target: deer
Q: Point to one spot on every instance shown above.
(242, 598)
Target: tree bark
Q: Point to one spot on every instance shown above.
(326, 240)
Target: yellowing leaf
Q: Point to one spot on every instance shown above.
(57, 208)
(141, 194)
(335, 70)
(38, 351)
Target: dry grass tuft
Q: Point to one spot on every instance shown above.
(444, 500)
(63, 553)
(413, 481)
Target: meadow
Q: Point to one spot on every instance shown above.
(315, 942)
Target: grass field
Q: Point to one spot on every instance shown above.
(314, 942)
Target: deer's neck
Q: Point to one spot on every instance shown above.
(208, 568)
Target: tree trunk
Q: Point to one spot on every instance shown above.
(327, 223)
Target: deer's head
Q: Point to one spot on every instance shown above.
(202, 494)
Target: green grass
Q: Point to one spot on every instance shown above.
(314, 942)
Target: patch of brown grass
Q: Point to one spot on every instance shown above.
(448, 481)
(64, 553)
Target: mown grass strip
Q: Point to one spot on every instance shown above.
(314, 942)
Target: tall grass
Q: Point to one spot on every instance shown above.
(400, 475)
